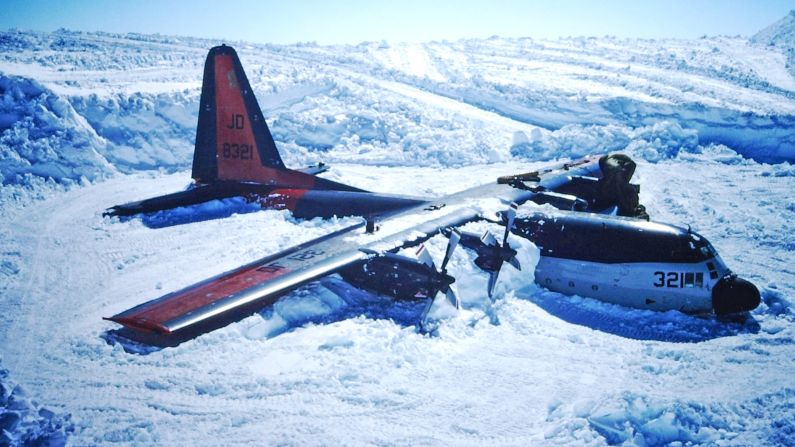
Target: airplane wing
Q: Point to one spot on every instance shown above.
(230, 296)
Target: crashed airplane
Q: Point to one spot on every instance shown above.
(584, 250)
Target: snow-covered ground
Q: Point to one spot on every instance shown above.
(88, 121)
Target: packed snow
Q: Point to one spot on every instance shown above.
(91, 120)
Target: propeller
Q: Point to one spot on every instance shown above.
(492, 254)
(441, 282)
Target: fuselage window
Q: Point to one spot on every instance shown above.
(690, 279)
(699, 279)
(713, 274)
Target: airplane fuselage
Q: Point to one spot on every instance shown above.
(632, 262)
(620, 260)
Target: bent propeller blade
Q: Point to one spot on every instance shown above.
(425, 257)
(493, 281)
(488, 238)
(515, 263)
(425, 324)
(453, 298)
(511, 214)
(455, 237)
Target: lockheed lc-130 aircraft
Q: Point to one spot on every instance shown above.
(583, 250)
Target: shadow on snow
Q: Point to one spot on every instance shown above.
(638, 324)
(213, 209)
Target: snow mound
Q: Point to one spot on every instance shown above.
(638, 420)
(23, 422)
(779, 34)
(42, 135)
(659, 141)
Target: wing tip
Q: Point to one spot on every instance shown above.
(140, 324)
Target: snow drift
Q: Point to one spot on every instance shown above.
(23, 422)
(42, 135)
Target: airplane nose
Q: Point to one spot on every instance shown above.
(732, 294)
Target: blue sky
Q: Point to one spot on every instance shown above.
(354, 21)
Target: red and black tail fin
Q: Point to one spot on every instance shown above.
(232, 139)
(233, 142)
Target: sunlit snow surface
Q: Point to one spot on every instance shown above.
(329, 364)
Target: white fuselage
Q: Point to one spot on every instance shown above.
(686, 287)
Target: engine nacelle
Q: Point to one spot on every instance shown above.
(397, 276)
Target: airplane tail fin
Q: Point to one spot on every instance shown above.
(233, 142)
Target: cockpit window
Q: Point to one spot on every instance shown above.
(708, 251)
(704, 248)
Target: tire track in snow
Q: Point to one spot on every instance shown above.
(417, 93)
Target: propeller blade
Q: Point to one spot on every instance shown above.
(493, 281)
(515, 263)
(426, 325)
(425, 257)
(452, 298)
(435, 310)
(455, 237)
(489, 239)
(511, 214)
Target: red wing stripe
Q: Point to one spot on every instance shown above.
(199, 296)
(159, 315)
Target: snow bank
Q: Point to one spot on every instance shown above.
(632, 419)
(438, 104)
(652, 143)
(23, 422)
(144, 130)
(41, 134)
(370, 124)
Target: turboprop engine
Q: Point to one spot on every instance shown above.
(403, 277)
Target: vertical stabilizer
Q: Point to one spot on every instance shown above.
(233, 141)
